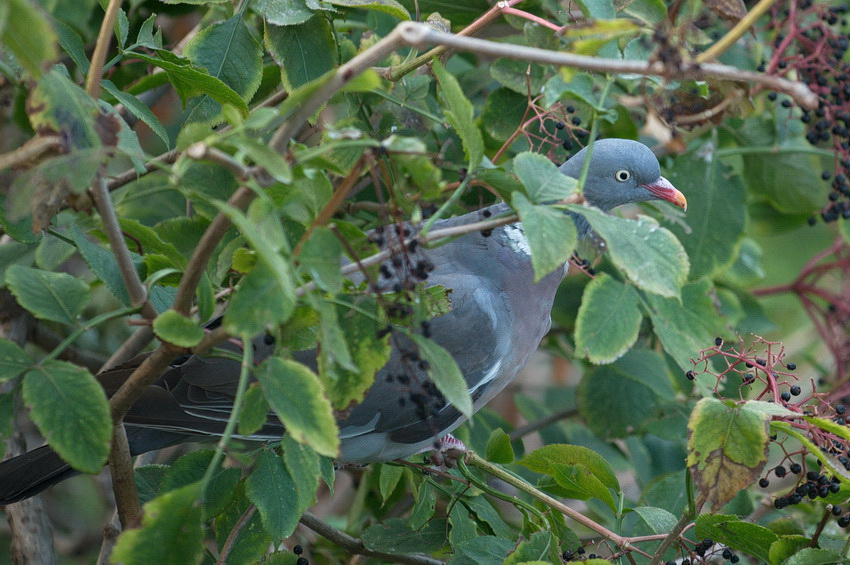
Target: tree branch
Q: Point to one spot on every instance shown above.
(99, 56)
(355, 546)
(418, 35)
(31, 150)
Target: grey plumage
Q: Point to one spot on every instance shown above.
(498, 318)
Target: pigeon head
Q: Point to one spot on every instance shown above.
(622, 171)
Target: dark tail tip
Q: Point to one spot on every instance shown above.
(28, 474)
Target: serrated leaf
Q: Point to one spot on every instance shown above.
(502, 113)
(536, 549)
(304, 52)
(395, 536)
(297, 396)
(138, 109)
(58, 297)
(685, 327)
(727, 449)
(551, 235)
(608, 320)
(291, 12)
(445, 374)
(175, 328)
(171, 531)
(271, 489)
(255, 409)
(751, 539)
(570, 465)
(715, 233)
(459, 113)
(423, 509)
(73, 45)
(648, 254)
(259, 302)
(191, 468)
(658, 519)
(482, 550)
(28, 36)
(303, 466)
(69, 407)
(542, 180)
(320, 258)
(61, 107)
(230, 53)
(390, 7)
(615, 399)
(102, 263)
(190, 81)
(13, 360)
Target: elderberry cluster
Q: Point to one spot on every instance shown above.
(809, 42)
(817, 485)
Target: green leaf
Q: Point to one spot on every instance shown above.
(542, 180)
(541, 459)
(320, 258)
(175, 328)
(686, 327)
(148, 479)
(463, 525)
(658, 519)
(61, 107)
(172, 531)
(271, 489)
(423, 509)
(458, 110)
(69, 407)
(395, 536)
(746, 537)
(231, 54)
(302, 463)
(290, 12)
(102, 263)
(727, 449)
(499, 448)
(298, 398)
(27, 34)
(192, 468)
(58, 297)
(579, 87)
(388, 479)
(520, 76)
(551, 235)
(333, 345)
(537, 549)
(304, 52)
(618, 398)
(138, 108)
(253, 542)
(259, 302)
(608, 320)
(268, 252)
(13, 360)
(445, 374)
(502, 113)
(716, 229)
(812, 556)
(190, 80)
(255, 410)
(482, 550)
(650, 12)
(390, 7)
(73, 45)
(648, 254)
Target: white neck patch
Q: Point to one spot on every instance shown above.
(517, 240)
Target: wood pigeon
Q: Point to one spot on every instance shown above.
(497, 319)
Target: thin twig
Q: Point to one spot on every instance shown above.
(419, 35)
(101, 47)
(355, 546)
(230, 542)
(30, 151)
(736, 32)
(520, 433)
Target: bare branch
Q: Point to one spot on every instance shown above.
(419, 35)
(30, 151)
(101, 47)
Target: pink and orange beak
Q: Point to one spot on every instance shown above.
(663, 189)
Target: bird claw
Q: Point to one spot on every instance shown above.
(447, 454)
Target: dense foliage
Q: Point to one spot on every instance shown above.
(198, 155)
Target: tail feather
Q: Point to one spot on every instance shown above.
(28, 474)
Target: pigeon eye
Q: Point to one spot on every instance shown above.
(622, 175)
